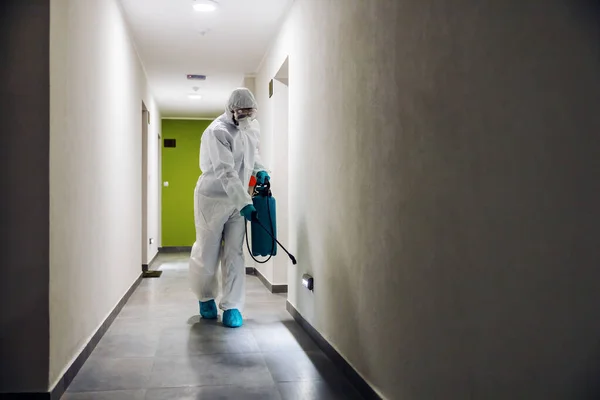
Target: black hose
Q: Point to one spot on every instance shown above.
(280, 245)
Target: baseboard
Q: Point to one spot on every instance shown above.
(276, 289)
(365, 390)
(68, 377)
(272, 288)
(146, 267)
(175, 249)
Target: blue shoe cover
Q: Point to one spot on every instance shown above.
(208, 309)
(232, 318)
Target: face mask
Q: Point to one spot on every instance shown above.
(244, 123)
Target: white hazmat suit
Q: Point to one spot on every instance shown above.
(228, 158)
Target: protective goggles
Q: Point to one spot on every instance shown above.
(244, 113)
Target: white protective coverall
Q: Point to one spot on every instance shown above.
(228, 158)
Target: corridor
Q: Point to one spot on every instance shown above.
(434, 165)
(158, 348)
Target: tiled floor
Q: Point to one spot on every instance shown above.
(158, 348)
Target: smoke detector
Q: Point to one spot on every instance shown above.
(195, 95)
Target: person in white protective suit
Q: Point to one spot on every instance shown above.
(229, 157)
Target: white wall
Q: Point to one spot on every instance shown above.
(273, 117)
(453, 232)
(250, 83)
(274, 148)
(264, 117)
(153, 182)
(97, 88)
(280, 178)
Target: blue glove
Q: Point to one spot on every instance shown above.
(248, 211)
(261, 177)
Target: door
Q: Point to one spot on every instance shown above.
(180, 149)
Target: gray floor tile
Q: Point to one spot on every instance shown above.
(259, 307)
(317, 390)
(211, 370)
(257, 315)
(282, 336)
(260, 296)
(216, 393)
(206, 337)
(293, 366)
(127, 345)
(159, 311)
(112, 374)
(136, 326)
(173, 297)
(111, 395)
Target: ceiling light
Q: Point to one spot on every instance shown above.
(205, 6)
(194, 96)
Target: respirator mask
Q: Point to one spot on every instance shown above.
(244, 117)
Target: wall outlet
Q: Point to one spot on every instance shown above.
(308, 282)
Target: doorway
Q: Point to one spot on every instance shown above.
(144, 177)
(180, 172)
